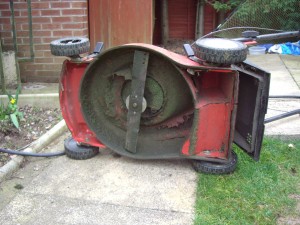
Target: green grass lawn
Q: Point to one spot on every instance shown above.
(257, 192)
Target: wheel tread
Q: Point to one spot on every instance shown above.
(79, 152)
(216, 168)
(58, 48)
(221, 56)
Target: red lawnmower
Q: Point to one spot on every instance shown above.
(145, 102)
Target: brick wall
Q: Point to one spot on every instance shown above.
(51, 19)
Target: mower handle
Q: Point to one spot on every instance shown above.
(263, 37)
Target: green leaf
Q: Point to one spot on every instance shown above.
(20, 115)
(14, 120)
(17, 93)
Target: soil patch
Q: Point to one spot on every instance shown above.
(36, 122)
(176, 45)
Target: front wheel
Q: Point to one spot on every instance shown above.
(220, 50)
(216, 167)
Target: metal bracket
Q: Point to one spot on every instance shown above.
(190, 53)
(135, 108)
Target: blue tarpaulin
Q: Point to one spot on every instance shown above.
(286, 48)
(291, 48)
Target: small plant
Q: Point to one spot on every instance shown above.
(3, 112)
(12, 110)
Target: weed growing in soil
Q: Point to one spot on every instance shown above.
(12, 110)
(36, 122)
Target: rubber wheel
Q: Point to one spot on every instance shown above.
(220, 50)
(216, 168)
(71, 46)
(79, 152)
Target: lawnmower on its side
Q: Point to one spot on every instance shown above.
(146, 102)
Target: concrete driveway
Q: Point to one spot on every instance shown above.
(103, 190)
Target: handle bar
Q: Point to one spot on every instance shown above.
(263, 37)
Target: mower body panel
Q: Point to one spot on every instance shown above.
(69, 85)
(253, 98)
(193, 109)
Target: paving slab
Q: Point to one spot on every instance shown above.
(36, 94)
(103, 190)
(33, 209)
(292, 63)
(282, 83)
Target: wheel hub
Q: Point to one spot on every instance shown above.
(153, 95)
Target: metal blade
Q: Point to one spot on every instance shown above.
(139, 73)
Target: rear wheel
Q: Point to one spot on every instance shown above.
(72, 46)
(79, 152)
(215, 167)
(220, 50)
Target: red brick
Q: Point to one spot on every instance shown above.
(7, 43)
(4, 20)
(22, 47)
(35, 26)
(62, 33)
(4, 5)
(36, 13)
(21, 20)
(73, 26)
(40, 20)
(34, 66)
(47, 54)
(46, 40)
(47, 73)
(50, 12)
(21, 55)
(60, 5)
(72, 12)
(5, 13)
(21, 33)
(39, 54)
(62, 19)
(21, 40)
(41, 47)
(59, 59)
(40, 5)
(56, 67)
(51, 26)
(41, 33)
(79, 32)
(18, 27)
(47, 79)
(79, 19)
(26, 73)
(20, 5)
(6, 34)
(24, 13)
(37, 40)
(80, 5)
(43, 60)
(6, 27)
